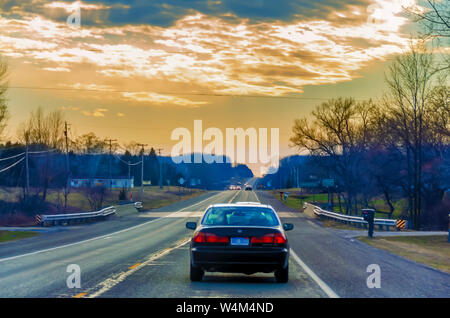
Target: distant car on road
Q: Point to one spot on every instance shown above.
(240, 238)
(248, 187)
(238, 188)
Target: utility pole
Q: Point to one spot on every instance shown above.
(27, 182)
(129, 170)
(160, 169)
(110, 158)
(142, 165)
(66, 193)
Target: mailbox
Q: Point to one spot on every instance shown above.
(369, 216)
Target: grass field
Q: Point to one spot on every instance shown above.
(433, 251)
(338, 225)
(6, 236)
(154, 197)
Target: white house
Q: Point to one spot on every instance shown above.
(115, 183)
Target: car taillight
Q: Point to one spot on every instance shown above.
(199, 237)
(279, 238)
(204, 237)
(272, 238)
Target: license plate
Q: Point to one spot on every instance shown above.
(239, 241)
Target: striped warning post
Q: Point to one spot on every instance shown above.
(38, 219)
(400, 224)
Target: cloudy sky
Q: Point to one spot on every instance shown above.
(137, 69)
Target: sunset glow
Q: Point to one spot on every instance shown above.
(192, 59)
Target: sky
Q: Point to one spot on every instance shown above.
(136, 70)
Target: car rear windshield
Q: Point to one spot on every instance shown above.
(240, 216)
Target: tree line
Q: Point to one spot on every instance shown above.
(396, 147)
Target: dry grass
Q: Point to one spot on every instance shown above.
(433, 251)
(154, 197)
(339, 225)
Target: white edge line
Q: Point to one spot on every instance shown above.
(330, 293)
(103, 236)
(256, 196)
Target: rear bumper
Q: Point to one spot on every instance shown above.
(241, 260)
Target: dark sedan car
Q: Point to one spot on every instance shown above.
(240, 238)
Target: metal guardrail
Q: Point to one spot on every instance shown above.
(353, 219)
(72, 218)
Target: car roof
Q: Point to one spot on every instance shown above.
(242, 204)
(254, 204)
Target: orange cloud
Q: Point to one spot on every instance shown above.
(209, 54)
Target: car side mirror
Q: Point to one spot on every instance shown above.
(191, 225)
(288, 226)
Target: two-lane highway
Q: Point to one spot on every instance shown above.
(146, 255)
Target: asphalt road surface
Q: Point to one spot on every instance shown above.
(146, 255)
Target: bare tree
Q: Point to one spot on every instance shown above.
(133, 148)
(43, 129)
(96, 196)
(439, 115)
(411, 88)
(435, 17)
(340, 130)
(90, 143)
(3, 100)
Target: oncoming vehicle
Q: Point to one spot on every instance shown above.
(248, 187)
(240, 238)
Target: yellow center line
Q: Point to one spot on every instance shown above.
(135, 265)
(80, 295)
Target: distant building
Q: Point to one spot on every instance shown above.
(115, 183)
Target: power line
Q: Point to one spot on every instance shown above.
(170, 93)
(12, 157)
(127, 163)
(11, 166)
(43, 151)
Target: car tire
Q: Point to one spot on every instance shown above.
(196, 274)
(282, 275)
